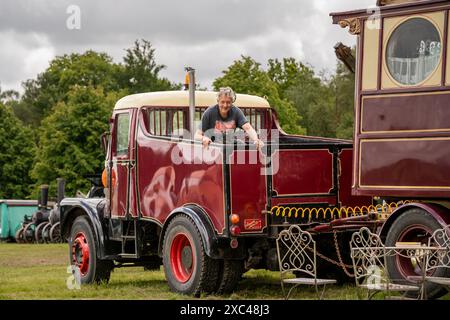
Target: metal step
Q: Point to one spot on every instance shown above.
(127, 255)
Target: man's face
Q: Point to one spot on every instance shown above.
(224, 105)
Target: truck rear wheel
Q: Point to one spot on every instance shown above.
(231, 273)
(187, 267)
(414, 225)
(83, 249)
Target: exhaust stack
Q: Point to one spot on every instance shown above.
(190, 77)
(43, 197)
(61, 183)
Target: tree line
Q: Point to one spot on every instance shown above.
(53, 129)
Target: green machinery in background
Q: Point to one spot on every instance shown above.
(12, 215)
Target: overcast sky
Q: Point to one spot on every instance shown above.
(205, 34)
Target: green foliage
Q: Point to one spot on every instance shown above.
(138, 73)
(290, 73)
(141, 72)
(70, 145)
(17, 150)
(90, 69)
(247, 76)
(325, 106)
(298, 84)
(343, 84)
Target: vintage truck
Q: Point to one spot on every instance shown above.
(208, 215)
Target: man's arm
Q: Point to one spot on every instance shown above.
(253, 135)
(199, 135)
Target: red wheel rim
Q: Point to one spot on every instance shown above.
(414, 233)
(182, 258)
(80, 253)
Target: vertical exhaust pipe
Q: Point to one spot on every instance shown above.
(43, 199)
(61, 183)
(191, 87)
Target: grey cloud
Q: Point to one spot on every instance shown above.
(206, 34)
(182, 21)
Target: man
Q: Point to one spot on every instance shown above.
(224, 116)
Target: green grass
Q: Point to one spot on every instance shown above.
(40, 272)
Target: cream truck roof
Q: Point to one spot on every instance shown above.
(181, 99)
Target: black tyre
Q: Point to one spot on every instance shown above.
(19, 235)
(83, 249)
(55, 233)
(414, 225)
(28, 233)
(187, 267)
(46, 232)
(230, 275)
(38, 232)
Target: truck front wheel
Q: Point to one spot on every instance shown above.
(187, 267)
(414, 225)
(83, 249)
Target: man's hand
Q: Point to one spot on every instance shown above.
(259, 144)
(253, 135)
(206, 141)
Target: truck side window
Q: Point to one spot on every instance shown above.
(157, 122)
(178, 124)
(123, 131)
(165, 122)
(255, 117)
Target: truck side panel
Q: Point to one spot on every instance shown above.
(172, 174)
(303, 172)
(248, 190)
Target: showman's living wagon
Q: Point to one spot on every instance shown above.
(402, 117)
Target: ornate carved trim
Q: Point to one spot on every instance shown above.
(381, 3)
(354, 24)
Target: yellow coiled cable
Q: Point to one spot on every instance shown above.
(335, 213)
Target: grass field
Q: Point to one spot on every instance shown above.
(40, 272)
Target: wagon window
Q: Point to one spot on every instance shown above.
(413, 51)
(123, 131)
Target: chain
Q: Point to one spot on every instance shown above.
(338, 252)
(343, 265)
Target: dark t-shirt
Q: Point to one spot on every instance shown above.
(212, 119)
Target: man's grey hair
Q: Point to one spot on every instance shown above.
(226, 92)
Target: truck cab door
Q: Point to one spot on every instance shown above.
(120, 164)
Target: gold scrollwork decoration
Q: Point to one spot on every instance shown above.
(353, 24)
